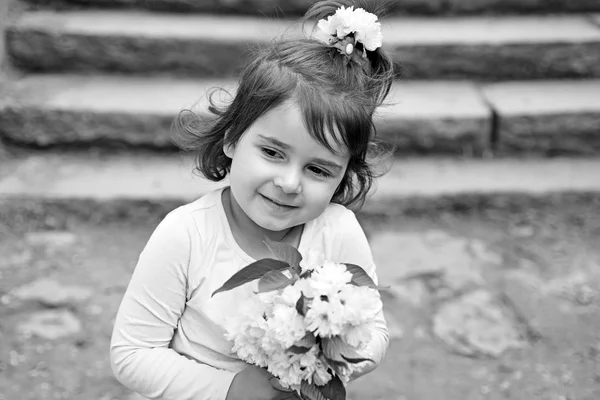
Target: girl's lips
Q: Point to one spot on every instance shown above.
(277, 203)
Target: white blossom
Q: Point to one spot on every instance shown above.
(327, 279)
(360, 303)
(367, 30)
(346, 21)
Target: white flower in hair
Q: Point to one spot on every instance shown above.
(367, 29)
(340, 24)
(348, 21)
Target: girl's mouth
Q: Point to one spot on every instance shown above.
(278, 204)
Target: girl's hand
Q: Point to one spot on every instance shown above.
(255, 383)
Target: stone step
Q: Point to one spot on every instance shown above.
(479, 48)
(45, 110)
(122, 177)
(434, 117)
(546, 117)
(299, 7)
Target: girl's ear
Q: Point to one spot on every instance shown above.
(228, 149)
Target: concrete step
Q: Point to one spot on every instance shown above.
(479, 48)
(150, 178)
(435, 117)
(299, 7)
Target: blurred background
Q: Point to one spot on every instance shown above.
(487, 227)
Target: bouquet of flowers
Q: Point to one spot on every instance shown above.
(308, 325)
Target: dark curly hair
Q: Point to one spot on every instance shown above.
(334, 94)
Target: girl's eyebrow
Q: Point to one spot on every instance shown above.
(330, 164)
(322, 161)
(275, 142)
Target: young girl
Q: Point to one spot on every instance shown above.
(294, 143)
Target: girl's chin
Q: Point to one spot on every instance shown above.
(274, 228)
(272, 225)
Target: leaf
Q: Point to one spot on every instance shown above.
(335, 347)
(309, 340)
(254, 271)
(361, 278)
(273, 280)
(302, 305)
(298, 349)
(295, 275)
(311, 392)
(337, 366)
(286, 253)
(356, 360)
(332, 390)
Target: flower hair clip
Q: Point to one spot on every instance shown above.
(349, 27)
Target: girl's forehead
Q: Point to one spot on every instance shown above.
(285, 125)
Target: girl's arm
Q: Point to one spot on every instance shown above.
(355, 249)
(147, 318)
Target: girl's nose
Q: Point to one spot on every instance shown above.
(289, 182)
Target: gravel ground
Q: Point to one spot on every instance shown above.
(62, 278)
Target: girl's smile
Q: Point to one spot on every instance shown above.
(278, 205)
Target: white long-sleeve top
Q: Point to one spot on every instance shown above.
(168, 339)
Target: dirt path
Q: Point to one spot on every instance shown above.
(466, 285)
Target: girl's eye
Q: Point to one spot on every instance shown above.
(320, 172)
(270, 152)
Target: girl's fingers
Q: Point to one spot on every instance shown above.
(277, 386)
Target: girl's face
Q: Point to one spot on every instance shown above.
(280, 175)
